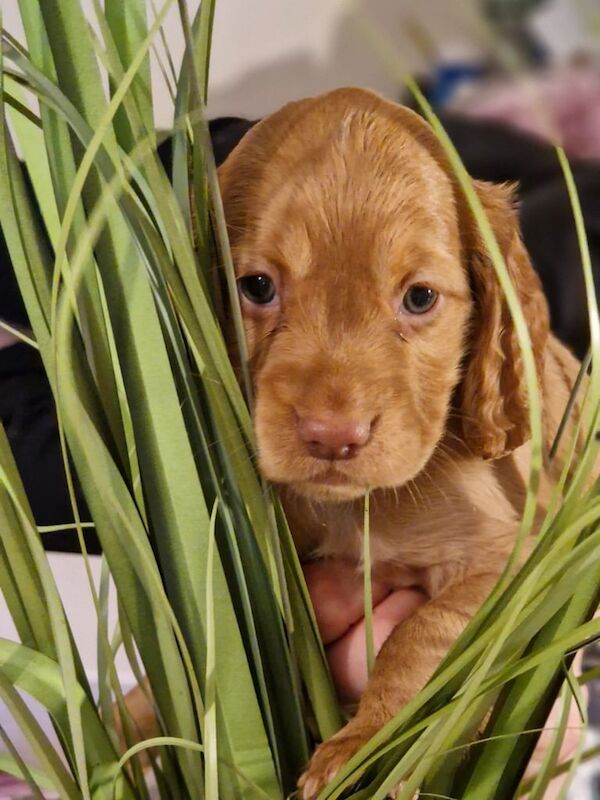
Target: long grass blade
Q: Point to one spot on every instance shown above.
(368, 590)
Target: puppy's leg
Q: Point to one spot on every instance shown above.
(403, 666)
(141, 713)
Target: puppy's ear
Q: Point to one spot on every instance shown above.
(493, 391)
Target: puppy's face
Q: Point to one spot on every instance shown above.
(355, 295)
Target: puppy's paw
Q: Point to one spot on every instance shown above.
(329, 758)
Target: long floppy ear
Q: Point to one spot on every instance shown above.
(493, 391)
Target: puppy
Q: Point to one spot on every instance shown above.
(383, 356)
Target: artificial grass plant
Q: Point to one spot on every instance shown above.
(119, 283)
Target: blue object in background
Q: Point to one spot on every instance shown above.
(447, 78)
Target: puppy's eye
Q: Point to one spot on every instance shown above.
(419, 299)
(258, 289)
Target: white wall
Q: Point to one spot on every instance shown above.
(570, 25)
(267, 52)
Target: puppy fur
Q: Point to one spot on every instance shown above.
(344, 202)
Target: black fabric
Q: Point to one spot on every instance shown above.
(11, 305)
(550, 235)
(495, 152)
(28, 415)
(225, 133)
(498, 153)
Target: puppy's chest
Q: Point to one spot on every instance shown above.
(406, 549)
(392, 561)
(347, 541)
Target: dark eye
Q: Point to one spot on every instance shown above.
(258, 289)
(419, 299)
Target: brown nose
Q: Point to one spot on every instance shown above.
(333, 438)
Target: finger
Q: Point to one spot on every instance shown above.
(569, 743)
(336, 590)
(348, 656)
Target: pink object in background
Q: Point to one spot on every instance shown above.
(13, 789)
(560, 103)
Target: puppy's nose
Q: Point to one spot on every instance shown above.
(334, 438)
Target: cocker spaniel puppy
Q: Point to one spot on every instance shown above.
(384, 356)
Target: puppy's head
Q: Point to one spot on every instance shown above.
(373, 316)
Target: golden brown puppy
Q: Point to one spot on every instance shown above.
(383, 355)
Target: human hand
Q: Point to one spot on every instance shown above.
(7, 338)
(336, 589)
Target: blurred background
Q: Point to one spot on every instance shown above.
(267, 52)
(508, 77)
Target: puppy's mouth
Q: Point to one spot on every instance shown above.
(330, 485)
(331, 477)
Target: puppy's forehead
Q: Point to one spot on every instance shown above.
(362, 188)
